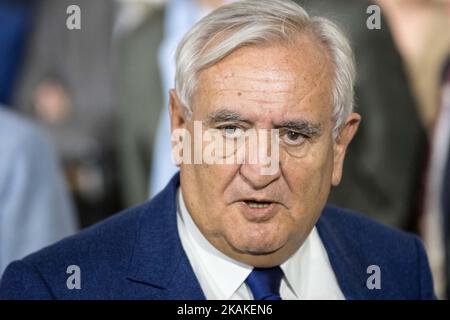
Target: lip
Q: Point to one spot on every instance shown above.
(258, 214)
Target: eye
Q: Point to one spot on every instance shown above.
(231, 131)
(293, 137)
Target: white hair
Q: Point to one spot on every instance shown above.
(262, 22)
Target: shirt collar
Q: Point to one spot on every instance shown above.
(299, 268)
(214, 262)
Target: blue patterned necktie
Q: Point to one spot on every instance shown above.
(265, 283)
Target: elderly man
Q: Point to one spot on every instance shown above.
(244, 228)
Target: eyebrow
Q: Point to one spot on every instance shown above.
(303, 126)
(224, 115)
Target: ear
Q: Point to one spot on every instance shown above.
(177, 112)
(345, 135)
(178, 123)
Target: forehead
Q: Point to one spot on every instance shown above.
(269, 79)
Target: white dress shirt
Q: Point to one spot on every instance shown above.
(307, 273)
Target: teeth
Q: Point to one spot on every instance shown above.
(257, 205)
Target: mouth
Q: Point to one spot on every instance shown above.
(257, 204)
(258, 210)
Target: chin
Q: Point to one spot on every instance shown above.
(260, 251)
(258, 245)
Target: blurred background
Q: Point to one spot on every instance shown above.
(84, 127)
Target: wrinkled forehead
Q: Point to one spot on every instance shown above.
(302, 53)
(287, 78)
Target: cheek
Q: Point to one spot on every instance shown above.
(310, 178)
(214, 180)
(205, 189)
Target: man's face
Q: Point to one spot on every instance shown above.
(255, 218)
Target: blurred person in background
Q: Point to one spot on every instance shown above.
(66, 86)
(444, 194)
(421, 32)
(384, 162)
(138, 33)
(35, 207)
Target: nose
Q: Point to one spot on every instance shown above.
(251, 174)
(260, 170)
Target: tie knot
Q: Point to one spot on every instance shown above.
(265, 283)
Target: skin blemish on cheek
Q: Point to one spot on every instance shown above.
(239, 93)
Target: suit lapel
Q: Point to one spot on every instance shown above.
(158, 259)
(345, 261)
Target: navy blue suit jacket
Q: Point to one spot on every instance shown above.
(137, 254)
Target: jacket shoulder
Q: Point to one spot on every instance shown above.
(399, 255)
(345, 220)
